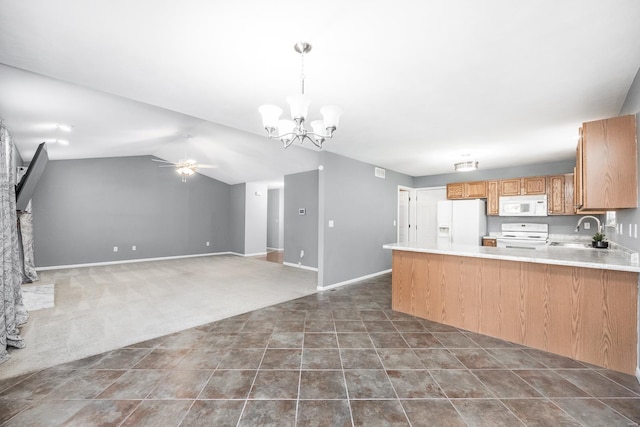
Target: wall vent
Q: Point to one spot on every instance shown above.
(379, 173)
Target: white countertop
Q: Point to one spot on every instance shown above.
(603, 259)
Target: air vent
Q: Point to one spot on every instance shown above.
(380, 173)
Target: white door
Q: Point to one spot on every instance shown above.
(427, 212)
(403, 215)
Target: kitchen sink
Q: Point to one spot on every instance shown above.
(571, 245)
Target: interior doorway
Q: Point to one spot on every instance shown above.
(426, 202)
(406, 214)
(275, 225)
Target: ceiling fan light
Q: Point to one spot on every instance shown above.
(331, 116)
(270, 115)
(465, 166)
(185, 171)
(299, 106)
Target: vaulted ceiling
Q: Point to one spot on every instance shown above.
(421, 83)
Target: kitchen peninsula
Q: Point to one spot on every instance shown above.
(577, 303)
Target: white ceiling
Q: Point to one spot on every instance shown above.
(421, 82)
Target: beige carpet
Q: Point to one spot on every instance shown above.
(103, 308)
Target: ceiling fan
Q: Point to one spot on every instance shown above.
(184, 167)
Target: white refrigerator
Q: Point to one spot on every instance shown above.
(462, 222)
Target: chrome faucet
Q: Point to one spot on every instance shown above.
(591, 217)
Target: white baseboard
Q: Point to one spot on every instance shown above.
(128, 261)
(255, 254)
(275, 249)
(248, 255)
(304, 267)
(357, 279)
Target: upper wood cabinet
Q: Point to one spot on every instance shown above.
(467, 190)
(523, 186)
(534, 185)
(606, 165)
(560, 194)
(555, 204)
(493, 207)
(510, 187)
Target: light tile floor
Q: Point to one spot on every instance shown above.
(337, 358)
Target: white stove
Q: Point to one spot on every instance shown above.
(523, 236)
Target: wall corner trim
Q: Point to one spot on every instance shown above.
(304, 267)
(127, 261)
(357, 279)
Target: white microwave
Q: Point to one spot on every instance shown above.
(523, 205)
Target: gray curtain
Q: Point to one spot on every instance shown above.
(12, 310)
(25, 230)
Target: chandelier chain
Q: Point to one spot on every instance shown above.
(302, 71)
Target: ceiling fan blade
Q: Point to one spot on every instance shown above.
(161, 161)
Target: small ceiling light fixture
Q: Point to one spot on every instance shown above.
(465, 166)
(289, 131)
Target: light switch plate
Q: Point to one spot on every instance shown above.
(330, 223)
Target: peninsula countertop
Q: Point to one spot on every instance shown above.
(618, 259)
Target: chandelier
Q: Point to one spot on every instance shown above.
(290, 131)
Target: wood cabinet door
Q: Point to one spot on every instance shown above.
(569, 202)
(455, 190)
(534, 185)
(489, 242)
(476, 190)
(609, 164)
(578, 174)
(492, 198)
(555, 203)
(510, 187)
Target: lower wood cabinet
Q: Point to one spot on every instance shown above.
(583, 313)
(489, 241)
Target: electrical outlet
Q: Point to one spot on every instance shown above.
(207, 243)
(115, 249)
(133, 248)
(330, 223)
(587, 226)
(394, 222)
(302, 253)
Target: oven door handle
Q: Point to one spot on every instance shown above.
(520, 247)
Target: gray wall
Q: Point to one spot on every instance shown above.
(557, 224)
(363, 209)
(274, 218)
(629, 216)
(301, 231)
(255, 227)
(237, 196)
(83, 208)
